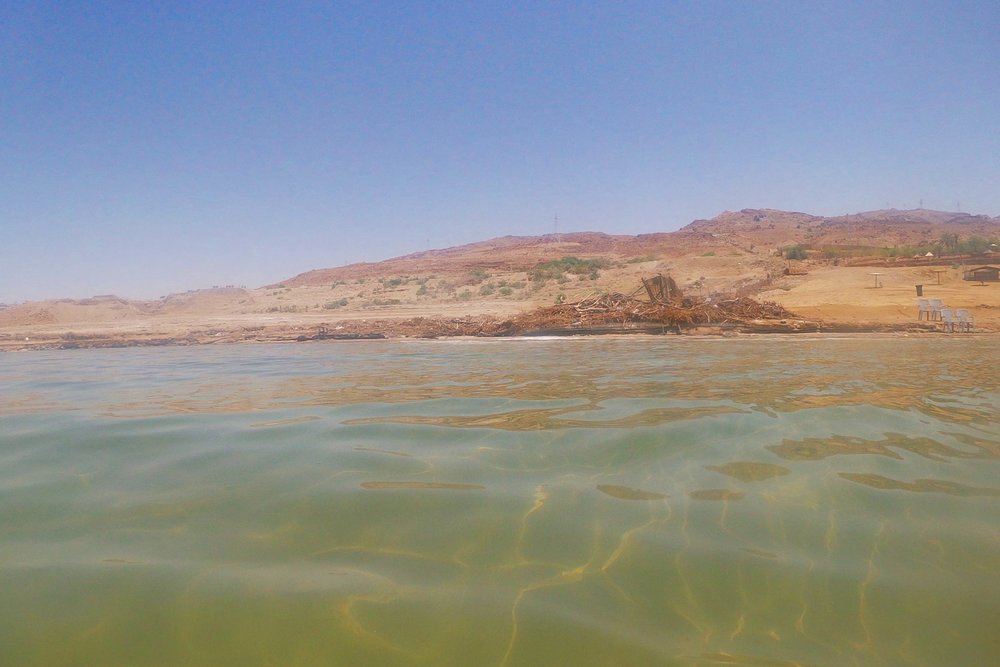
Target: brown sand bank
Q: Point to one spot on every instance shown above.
(831, 299)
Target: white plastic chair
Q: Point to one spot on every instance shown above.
(965, 320)
(936, 306)
(923, 309)
(948, 319)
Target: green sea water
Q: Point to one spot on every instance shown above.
(617, 501)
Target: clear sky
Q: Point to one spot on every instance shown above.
(149, 148)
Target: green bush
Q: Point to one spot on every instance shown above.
(973, 245)
(554, 269)
(796, 252)
(331, 305)
(948, 244)
(479, 276)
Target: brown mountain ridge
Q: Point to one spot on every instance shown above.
(745, 230)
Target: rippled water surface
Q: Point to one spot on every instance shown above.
(659, 501)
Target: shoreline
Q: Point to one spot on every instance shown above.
(817, 297)
(437, 329)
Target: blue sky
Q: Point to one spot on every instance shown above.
(152, 149)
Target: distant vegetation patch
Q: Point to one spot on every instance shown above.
(640, 260)
(795, 252)
(478, 276)
(557, 268)
(331, 305)
(948, 244)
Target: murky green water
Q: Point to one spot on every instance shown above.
(771, 501)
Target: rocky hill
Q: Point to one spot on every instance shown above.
(756, 231)
(873, 230)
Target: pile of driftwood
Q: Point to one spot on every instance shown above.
(665, 310)
(620, 309)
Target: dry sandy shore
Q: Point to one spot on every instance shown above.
(838, 298)
(849, 295)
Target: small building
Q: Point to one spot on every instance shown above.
(983, 274)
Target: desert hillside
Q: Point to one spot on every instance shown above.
(750, 232)
(818, 267)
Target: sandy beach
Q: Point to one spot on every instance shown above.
(833, 297)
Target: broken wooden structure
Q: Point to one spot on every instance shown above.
(661, 289)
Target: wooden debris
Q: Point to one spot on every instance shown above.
(661, 289)
(600, 313)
